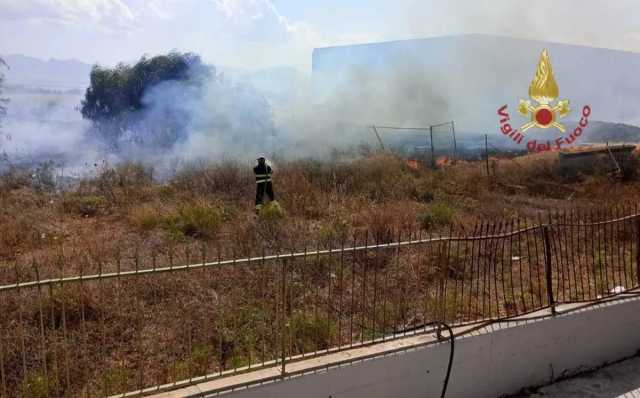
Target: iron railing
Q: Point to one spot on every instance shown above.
(132, 323)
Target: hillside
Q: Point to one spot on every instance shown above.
(468, 77)
(611, 132)
(53, 74)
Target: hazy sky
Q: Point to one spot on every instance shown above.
(259, 33)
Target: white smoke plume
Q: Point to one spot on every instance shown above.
(242, 120)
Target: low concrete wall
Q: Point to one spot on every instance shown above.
(499, 360)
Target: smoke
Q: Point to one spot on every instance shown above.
(180, 122)
(608, 25)
(43, 125)
(343, 102)
(227, 118)
(213, 119)
(416, 83)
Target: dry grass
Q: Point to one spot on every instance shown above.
(206, 211)
(204, 202)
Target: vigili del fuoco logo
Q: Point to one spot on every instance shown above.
(543, 111)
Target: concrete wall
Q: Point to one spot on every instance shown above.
(492, 363)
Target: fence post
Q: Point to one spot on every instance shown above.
(442, 304)
(441, 308)
(283, 322)
(3, 378)
(547, 267)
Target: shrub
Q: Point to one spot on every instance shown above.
(229, 179)
(383, 220)
(195, 364)
(166, 192)
(200, 358)
(309, 333)
(86, 206)
(116, 380)
(270, 225)
(439, 215)
(423, 192)
(335, 233)
(14, 178)
(630, 168)
(15, 233)
(272, 212)
(38, 386)
(381, 177)
(43, 179)
(124, 183)
(199, 220)
(145, 217)
(301, 196)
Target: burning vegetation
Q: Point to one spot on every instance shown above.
(131, 211)
(124, 219)
(125, 206)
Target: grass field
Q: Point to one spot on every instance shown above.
(146, 330)
(124, 208)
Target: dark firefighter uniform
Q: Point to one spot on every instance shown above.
(263, 181)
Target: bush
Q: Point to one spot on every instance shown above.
(228, 179)
(272, 212)
(334, 233)
(38, 386)
(86, 206)
(196, 364)
(124, 183)
(381, 177)
(43, 179)
(423, 192)
(439, 215)
(200, 358)
(200, 220)
(115, 380)
(16, 233)
(308, 333)
(14, 178)
(384, 221)
(40, 179)
(630, 168)
(145, 218)
(378, 177)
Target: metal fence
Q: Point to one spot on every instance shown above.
(133, 323)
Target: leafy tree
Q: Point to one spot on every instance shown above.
(116, 100)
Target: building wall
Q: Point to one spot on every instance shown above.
(498, 361)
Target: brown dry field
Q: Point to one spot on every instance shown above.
(123, 334)
(122, 210)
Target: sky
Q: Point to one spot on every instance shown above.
(255, 34)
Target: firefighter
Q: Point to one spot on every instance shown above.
(263, 180)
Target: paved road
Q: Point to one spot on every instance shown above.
(614, 381)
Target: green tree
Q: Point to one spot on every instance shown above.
(115, 99)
